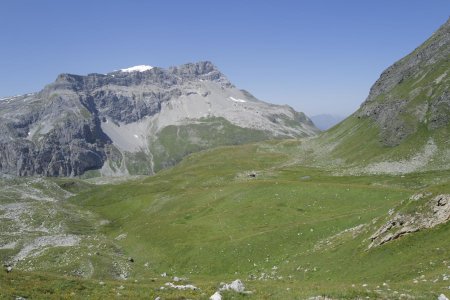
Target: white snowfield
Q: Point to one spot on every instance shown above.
(140, 68)
(237, 100)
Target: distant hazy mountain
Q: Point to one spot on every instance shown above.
(326, 121)
(134, 121)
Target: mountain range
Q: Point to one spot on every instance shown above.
(134, 121)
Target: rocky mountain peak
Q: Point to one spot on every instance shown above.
(117, 121)
(194, 69)
(203, 70)
(142, 75)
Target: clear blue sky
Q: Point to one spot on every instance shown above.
(317, 56)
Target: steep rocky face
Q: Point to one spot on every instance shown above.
(130, 96)
(115, 122)
(48, 136)
(413, 92)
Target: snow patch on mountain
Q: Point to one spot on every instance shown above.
(237, 100)
(140, 68)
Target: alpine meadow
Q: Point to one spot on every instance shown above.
(172, 183)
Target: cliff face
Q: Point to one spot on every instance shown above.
(49, 136)
(114, 121)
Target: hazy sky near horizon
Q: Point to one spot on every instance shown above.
(317, 56)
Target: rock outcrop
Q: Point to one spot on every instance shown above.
(236, 286)
(434, 212)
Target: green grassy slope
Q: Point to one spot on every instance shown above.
(207, 220)
(290, 232)
(175, 142)
(407, 110)
(356, 142)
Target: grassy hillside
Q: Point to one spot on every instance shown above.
(175, 142)
(287, 224)
(290, 232)
(356, 142)
(404, 124)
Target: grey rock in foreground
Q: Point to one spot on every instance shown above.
(434, 212)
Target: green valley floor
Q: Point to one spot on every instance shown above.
(250, 212)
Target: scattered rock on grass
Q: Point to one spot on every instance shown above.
(178, 279)
(236, 286)
(181, 287)
(216, 296)
(442, 297)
